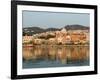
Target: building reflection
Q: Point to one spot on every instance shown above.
(56, 53)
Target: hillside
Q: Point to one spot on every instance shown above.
(76, 27)
(34, 30)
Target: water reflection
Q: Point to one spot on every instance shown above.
(55, 56)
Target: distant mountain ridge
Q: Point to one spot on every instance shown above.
(34, 30)
(76, 27)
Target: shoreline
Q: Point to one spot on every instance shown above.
(55, 45)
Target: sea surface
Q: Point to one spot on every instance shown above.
(44, 56)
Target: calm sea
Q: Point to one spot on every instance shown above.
(43, 56)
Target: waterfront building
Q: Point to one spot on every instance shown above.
(37, 41)
(52, 41)
(27, 39)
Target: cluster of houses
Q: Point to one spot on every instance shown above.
(58, 37)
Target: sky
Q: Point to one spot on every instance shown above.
(53, 19)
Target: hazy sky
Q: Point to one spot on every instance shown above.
(53, 19)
